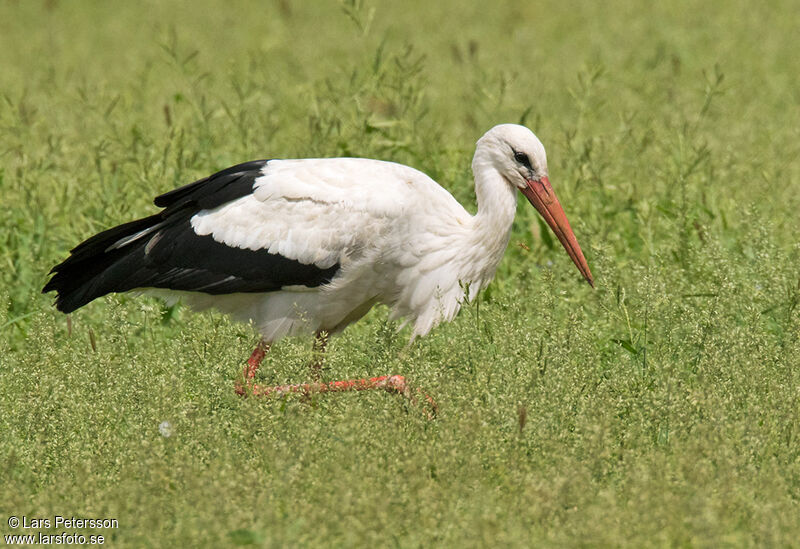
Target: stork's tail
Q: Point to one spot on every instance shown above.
(107, 262)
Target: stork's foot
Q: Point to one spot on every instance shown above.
(393, 384)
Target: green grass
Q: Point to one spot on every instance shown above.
(661, 409)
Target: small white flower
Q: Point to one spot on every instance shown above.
(165, 428)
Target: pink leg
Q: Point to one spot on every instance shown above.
(318, 354)
(393, 384)
(251, 368)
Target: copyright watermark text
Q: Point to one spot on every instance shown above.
(64, 527)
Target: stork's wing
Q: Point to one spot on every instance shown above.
(255, 227)
(318, 212)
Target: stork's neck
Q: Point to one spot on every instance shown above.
(497, 199)
(497, 204)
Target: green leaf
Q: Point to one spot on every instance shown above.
(246, 537)
(627, 345)
(544, 231)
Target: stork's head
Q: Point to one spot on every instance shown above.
(519, 157)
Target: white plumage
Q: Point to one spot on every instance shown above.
(398, 237)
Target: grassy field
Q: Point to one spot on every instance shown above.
(661, 409)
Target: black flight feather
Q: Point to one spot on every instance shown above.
(163, 251)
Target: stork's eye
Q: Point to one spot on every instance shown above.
(523, 159)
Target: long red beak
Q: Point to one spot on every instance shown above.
(540, 193)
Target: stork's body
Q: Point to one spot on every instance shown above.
(309, 246)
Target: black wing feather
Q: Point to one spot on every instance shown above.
(215, 190)
(170, 255)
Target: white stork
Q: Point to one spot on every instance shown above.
(309, 246)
